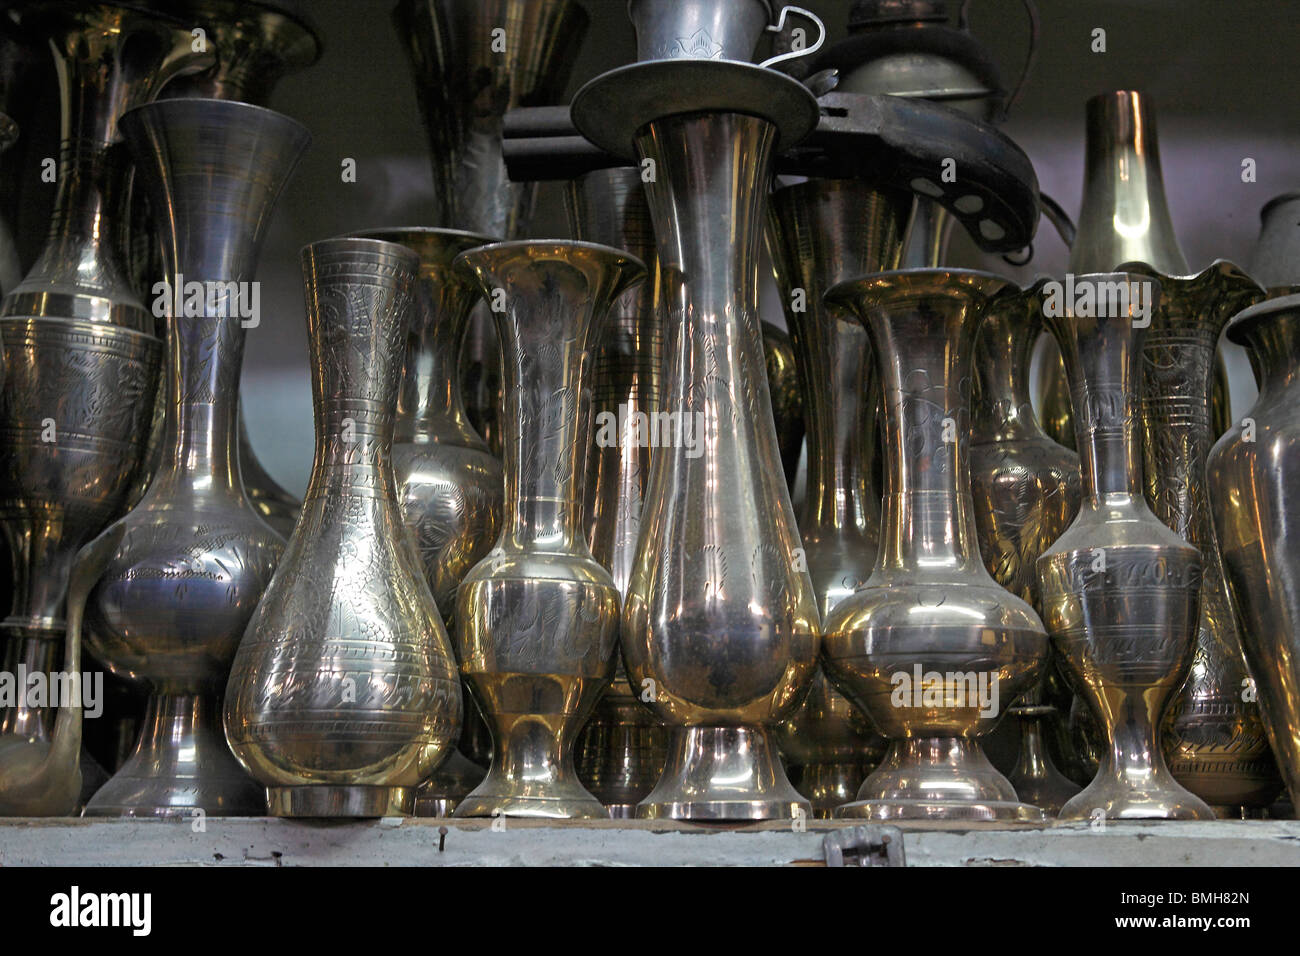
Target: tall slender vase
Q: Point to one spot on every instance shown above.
(1215, 741)
(1026, 490)
(931, 647)
(622, 749)
(195, 557)
(1120, 590)
(109, 59)
(449, 486)
(820, 233)
(538, 617)
(344, 694)
(720, 624)
(1251, 474)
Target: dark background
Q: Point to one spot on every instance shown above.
(1223, 76)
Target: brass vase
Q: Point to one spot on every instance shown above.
(538, 617)
(819, 233)
(622, 749)
(1026, 490)
(1120, 590)
(1251, 479)
(1215, 741)
(195, 556)
(449, 486)
(720, 624)
(344, 694)
(930, 647)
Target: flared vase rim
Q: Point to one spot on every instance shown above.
(439, 232)
(612, 109)
(1244, 323)
(208, 105)
(631, 265)
(920, 282)
(1221, 268)
(344, 243)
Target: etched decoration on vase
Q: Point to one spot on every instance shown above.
(344, 694)
(1026, 490)
(1120, 591)
(1215, 741)
(1252, 485)
(538, 617)
(720, 623)
(622, 748)
(820, 233)
(930, 647)
(195, 556)
(449, 486)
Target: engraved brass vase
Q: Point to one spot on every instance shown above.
(1215, 742)
(344, 694)
(622, 749)
(195, 556)
(1120, 590)
(930, 647)
(820, 233)
(1252, 485)
(538, 617)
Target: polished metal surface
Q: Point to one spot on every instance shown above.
(74, 417)
(622, 749)
(257, 43)
(538, 617)
(718, 618)
(930, 618)
(41, 775)
(714, 29)
(787, 398)
(344, 694)
(1275, 260)
(195, 556)
(449, 486)
(1215, 742)
(110, 57)
(466, 77)
(1035, 776)
(1252, 487)
(1119, 590)
(1025, 486)
(820, 233)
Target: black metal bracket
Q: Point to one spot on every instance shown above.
(967, 166)
(871, 845)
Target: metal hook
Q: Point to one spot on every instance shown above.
(780, 25)
(963, 23)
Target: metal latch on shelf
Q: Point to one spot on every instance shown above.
(871, 845)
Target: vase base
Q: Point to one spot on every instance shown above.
(1115, 802)
(544, 808)
(621, 811)
(989, 811)
(717, 774)
(341, 801)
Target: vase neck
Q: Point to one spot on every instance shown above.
(1001, 407)
(925, 341)
(1274, 343)
(1103, 366)
(1124, 216)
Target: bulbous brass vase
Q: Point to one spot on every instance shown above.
(344, 694)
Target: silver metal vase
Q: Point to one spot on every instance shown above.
(195, 556)
(720, 626)
(1120, 591)
(930, 647)
(820, 233)
(344, 694)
